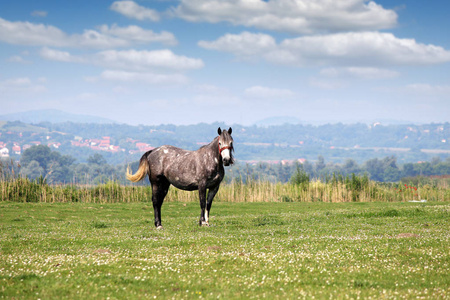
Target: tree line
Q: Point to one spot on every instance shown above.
(54, 168)
(383, 170)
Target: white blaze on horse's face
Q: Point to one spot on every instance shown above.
(226, 157)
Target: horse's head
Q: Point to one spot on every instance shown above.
(226, 146)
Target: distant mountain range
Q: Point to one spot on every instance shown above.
(53, 116)
(58, 116)
(284, 120)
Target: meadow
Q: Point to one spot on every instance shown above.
(253, 250)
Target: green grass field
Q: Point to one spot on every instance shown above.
(253, 250)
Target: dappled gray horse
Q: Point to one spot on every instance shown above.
(187, 170)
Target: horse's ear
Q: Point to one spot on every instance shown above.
(229, 130)
(219, 131)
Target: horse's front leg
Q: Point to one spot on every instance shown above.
(211, 194)
(202, 196)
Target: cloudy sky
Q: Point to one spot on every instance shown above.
(237, 61)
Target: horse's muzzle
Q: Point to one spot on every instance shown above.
(226, 162)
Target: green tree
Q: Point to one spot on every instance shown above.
(423, 169)
(97, 159)
(32, 170)
(375, 168)
(391, 174)
(350, 166)
(408, 170)
(40, 154)
(442, 168)
(50, 164)
(320, 165)
(300, 177)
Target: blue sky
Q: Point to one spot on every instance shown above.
(234, 61)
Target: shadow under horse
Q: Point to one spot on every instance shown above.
(200, 170)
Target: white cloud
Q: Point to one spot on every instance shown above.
(268, 93)
(139, 35)
(245, 44)
(294, 16)
(31, 34)
(133, 10)
(363, 49)
(130, 60)
(150, 78)
(21, 81)
(18, 59)
(26, 33)
(359, 72)
(20, 86)
(144, 60)
(372, 73)
(57, 55)
(429, 89)
(93, 39)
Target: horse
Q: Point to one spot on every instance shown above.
(200, 170)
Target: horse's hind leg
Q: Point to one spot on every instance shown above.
(159, 192)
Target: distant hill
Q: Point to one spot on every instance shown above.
(53, 116)
(337, 143)
(291, 120)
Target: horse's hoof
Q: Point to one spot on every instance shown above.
(206, 224)
(159, 227)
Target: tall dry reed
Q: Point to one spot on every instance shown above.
(25, 190)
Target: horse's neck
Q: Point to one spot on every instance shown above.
(214, 147)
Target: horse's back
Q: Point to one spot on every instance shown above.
(175, 164)
(170, 154)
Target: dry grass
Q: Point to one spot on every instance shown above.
(25, 190)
